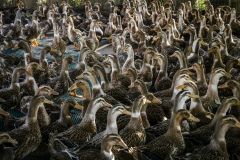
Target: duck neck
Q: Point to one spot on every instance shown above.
(179, 103)
(15, 78)
(222, 110)
(65, 113)
(96, 87)
(144, 117)
(182, 60)
(43, 59)
(175, 124)
(104, 79)
(218, 139)
(64, 67)
(201, 79)
(112, 124)
(212, 90)
(236, 92)
(193, 37)
(115, 69)
(32, 114)
(196, 107)
(107, 152)
(142, 88)
(163, 68)
(90, 113)
(218, 57)
(165, 42)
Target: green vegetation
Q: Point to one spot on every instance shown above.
(200, 5)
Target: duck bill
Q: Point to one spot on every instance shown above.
(173, 55)
(81, 76)
(40, 68)
(237, 124)
(209, 116)
(78, 106)
(109, 38)
(27, 73)
(122, 144)
(227, 75)
(131, 86)
(125, 73)
(15, 47)
(191, 68)
(225, 85)
(238, 63)
(4, 113)
(238, 103)
(194, 119)
(180, 87)
(190, 73)
(203, 43)
(91, 70)
(74, 61)
(53, 49)
(194, 96)
(48, 101)
(127, 112)
(34, 43)
(73, 87)
(221, 44)
(52, 92)
(156, 100)
(2, 100)
(107, 105)
(10, 140)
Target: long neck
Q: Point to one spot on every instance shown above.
(212, 90)
(96, 87)
(218, 140)
(179, 103)
(90, 113)
(222, 110)
(112, 124)
(182, 60)
(236, 92)
(175, 123)
(144, 117)
(65, 113)
(107, 152)
(142, 88)
(201, 79)
(104, 79)
(32, 114)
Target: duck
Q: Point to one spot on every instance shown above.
(154, 109)
(116, 93)
(83, 85)
(146, 72)
(92, 40)
(62, 82)
(29, 87)
(129, 63)
(111, 28)
(217, 149)
(29, 134)
(7, 152)
(171, 144)
(134, 134)
(106, 152)
(71, 31)
(201, 78)
(211, 99)
(202, 135)
(234, 86)
(32, 32)
(58, 44)
(64, 122)
(196, 107)
(11, 95)
(42, 77)
(111, 127)
(117, 79)
(44, 90)
(163, 82)
(81, 132)
(27, 51)
(97, 90)
(179, 102)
